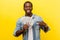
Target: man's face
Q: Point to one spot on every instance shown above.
(28, 7)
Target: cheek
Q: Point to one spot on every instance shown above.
(31, 8)
(25, 8)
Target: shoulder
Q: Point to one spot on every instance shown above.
(38, 18)
(20, 19)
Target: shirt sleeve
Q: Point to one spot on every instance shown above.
(19, 26)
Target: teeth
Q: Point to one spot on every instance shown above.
(28, 10)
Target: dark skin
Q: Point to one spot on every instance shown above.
(28, 12)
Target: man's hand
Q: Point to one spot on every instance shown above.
(25, 27)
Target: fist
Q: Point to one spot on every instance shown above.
(25, 27)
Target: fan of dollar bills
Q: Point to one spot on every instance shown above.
(28, 21)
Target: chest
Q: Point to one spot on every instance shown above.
(29, 20)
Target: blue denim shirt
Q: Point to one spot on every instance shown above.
(36, 28)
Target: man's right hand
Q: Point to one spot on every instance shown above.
(25, 27)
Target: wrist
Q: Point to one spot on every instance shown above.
(46, 26)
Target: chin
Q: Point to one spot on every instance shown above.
(29, 13)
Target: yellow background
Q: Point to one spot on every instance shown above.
(11, 10)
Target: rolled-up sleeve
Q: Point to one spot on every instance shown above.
(19, 26)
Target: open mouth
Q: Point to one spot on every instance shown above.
(28, 10)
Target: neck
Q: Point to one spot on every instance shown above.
(28, 14)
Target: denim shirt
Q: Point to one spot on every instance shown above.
(36, 27)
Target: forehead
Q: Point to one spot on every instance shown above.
(28, 4)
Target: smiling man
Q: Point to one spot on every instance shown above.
(30, 24)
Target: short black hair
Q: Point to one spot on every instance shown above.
(28, 2)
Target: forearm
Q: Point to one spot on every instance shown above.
(18, 32)
(44, 26)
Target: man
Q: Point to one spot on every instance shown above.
(30, 24)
